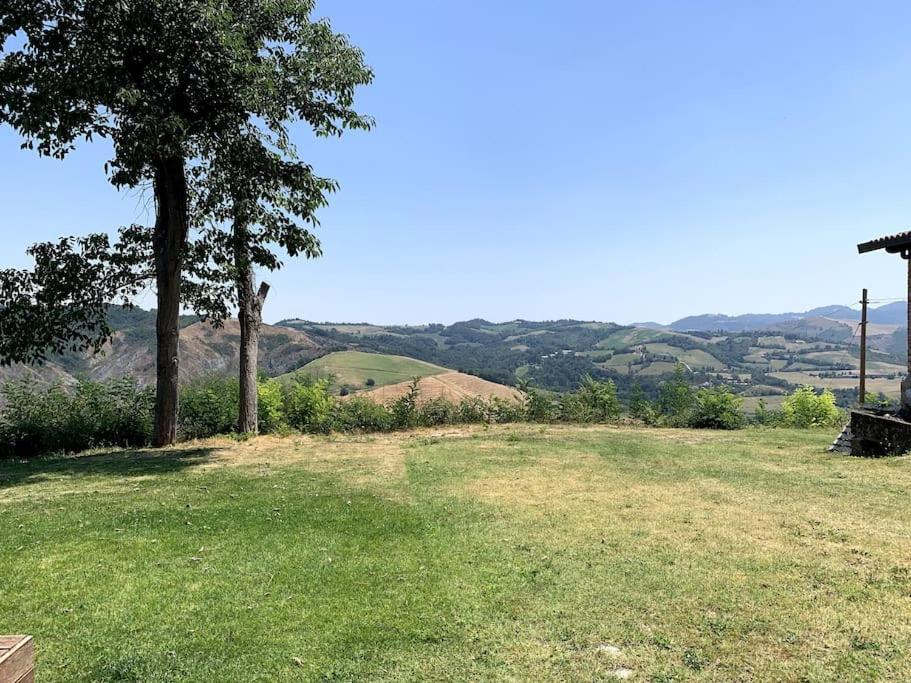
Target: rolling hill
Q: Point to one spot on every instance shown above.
(451, 386)
(204, 350)
(758, 364)
(553, 355)
(354, 370)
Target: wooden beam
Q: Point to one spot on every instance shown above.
(17, 659)
(862, 391)
(891, 243)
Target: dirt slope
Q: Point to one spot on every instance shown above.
(204, 350)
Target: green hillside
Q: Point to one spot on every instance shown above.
(352, 369)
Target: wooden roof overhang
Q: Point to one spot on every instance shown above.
(893, 244)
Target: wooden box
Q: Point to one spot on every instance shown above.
(17, 659)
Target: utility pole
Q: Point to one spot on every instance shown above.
(863, 348)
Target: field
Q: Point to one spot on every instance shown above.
(354, 368)
(451, 386)
(502, 553)
(889, 387)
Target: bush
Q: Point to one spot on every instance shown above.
(359, 414)
(600, 399)
(308, 405)
(539, 407)
(370, 382)
(472, 410)
(805, 408)
(405, 408)
(594, 401)
(437, 411)
(56, 418)
(640, 408)
(717, 408)
(208, 407)
(504, 411)
(676, 399)
(271, 407)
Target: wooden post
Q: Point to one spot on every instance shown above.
(17, 659)
(862, 393)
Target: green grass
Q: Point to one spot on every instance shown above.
(695, 358)
(354, 368)
(509, 553)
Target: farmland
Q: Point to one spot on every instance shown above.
(353, 369)
(555, 355)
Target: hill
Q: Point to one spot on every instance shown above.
(889, 314)
(452, 386)
(758, 364)
(204, 350)
(353, 370)
(553, 355)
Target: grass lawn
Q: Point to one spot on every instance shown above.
(507, 553)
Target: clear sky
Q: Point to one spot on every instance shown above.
(623, 161)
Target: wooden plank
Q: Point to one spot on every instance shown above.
(17, 659)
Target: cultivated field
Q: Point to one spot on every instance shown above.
(502, 553)
(354, 368)
(451, 386)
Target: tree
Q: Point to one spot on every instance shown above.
(675, 397)
(265, 199)
(166, 81)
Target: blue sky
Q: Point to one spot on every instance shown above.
(589, 159)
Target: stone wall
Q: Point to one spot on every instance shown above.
(876, 434)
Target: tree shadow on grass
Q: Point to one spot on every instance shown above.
(120, 463)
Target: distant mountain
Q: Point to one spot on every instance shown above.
(890, 314)
(711, 322)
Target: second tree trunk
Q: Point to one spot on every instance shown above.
(250, 317)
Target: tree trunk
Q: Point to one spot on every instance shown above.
(169, 241)
(250, 316)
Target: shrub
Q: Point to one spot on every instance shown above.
(359, 414)
(594, 401)
(208, 407)
(676, 399)
(271, 407)
(405, 408)
(717, 408)
(766, 416)
(472, 410)
(370, 382)
(308, 405)
(504, 411)
(539, 407)
(437, 411)
(599, 398)
(56, 418)
(805, 408)
(640, 408)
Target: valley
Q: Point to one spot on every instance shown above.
(761, 365)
